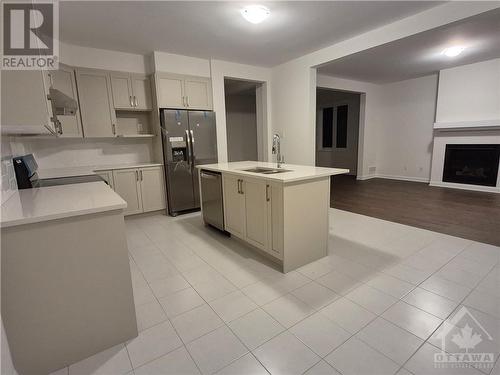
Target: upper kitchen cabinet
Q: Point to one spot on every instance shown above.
(131, 91)
(141, 88)
(181, 91)
(198, 93)
(96, 103)
(64, 81)
(25, 105)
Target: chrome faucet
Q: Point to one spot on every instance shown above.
(277, 150)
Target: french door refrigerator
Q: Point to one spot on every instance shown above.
(189, 139)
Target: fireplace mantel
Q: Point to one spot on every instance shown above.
(468, 125)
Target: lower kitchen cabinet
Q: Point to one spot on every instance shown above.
(234, 206)
(152, 188)
(142, 188)
(253, 210)
(256, 209)
(127, 185)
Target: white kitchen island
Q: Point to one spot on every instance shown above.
(282, 212)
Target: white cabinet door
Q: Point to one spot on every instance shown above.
(275, 219)
(24, 101)
(256, 220)
(64, 80)
(108, 177)
(198, 92)
(121, 87)
(128, 186)
(152, 188)
(96, 103)
(141, 89)
(234, 206)
(170, 89)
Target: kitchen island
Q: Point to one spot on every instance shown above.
(66, 283)
(282, 212)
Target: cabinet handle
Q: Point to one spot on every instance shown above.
(114, 128)
(135, 101)
(267, 193)
(130, 101)
(187, 101)
(183, 101)
(242, 192)
(142, 178)
(239, 191)
(137, 175)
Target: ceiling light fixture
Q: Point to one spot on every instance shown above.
(255, 13)
(453, 51)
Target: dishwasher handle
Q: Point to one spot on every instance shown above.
(209, 176)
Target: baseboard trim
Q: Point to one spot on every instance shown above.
(484, 189)
(392, 177)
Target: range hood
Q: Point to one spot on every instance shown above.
(62, 104)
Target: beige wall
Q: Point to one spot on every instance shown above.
(241, 123)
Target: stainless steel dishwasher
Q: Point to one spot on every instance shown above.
(211, 198)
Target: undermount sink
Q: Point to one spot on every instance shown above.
(264, 170)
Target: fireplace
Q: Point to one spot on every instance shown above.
(471, 164)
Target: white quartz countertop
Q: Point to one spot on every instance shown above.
(296, 173)
(56, 202)
(88, 169)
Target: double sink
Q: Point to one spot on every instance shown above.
(264, 170)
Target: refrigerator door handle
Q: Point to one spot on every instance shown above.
(192, 146)
(188, 147)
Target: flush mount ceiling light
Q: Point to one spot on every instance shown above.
(453, 51)
(255, 13)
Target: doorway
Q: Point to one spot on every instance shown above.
(337, 129)
(244, 136)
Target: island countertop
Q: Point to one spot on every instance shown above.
(296, 172)
(56, 202)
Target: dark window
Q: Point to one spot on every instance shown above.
(342, 126)
(327, 127)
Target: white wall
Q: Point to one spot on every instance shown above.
(405, 135)
(396, 126)
(55, 153)
(220, 70)
(294, 82)
(469, 93)
(241, 122)
(172, 63)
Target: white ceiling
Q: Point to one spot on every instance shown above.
(420, 54)
(216, 29)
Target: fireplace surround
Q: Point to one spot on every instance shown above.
(474, 164)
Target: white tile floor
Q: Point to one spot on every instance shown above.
(207, 304)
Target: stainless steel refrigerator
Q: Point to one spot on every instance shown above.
(189, 139)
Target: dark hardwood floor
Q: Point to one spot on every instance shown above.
(462, 213)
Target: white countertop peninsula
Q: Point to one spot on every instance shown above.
(283, 214)
(66, 283)
(58, 202)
